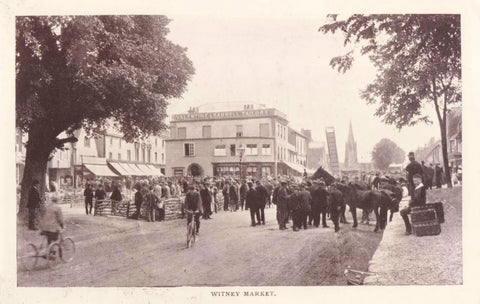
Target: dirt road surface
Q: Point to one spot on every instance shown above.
(119, 252)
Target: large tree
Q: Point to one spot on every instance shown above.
(385, 153)
(82, 71)
(418, 62)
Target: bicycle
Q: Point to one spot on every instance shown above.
(359, 276)
(191, 229)
(63, 249)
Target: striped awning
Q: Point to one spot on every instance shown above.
(100, 170)
(120, 169)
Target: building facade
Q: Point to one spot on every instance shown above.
(255, 141)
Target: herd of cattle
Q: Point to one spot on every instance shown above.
(379, 199)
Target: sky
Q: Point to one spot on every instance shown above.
(283, 62)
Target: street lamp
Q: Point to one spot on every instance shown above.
(241, 152)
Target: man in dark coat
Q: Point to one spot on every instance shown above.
(305, 199)
(263, 195)
(413, 168)
(438, 176)
(206, 197)
(243, 195)
(116, 198)
(269, 187)
(335, 203)
(319, 203)
(233, 196)
(280, 198)
(419, 198)
(294, 206)
(251, 200)
(226, 195)
(88, 193)
(33, 204)
(138, 203)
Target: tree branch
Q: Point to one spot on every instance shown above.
(59, 143)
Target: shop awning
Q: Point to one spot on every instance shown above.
(296, 167)
(100, 170)
(155, 170)
(133, 170)
(120, 169)
(145, 170)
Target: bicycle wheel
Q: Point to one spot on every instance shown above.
(67, 250)
(189, 235)
(28, 257)
(53, 255)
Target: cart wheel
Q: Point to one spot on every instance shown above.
(67, 250)
(53, 255)
(29, 257)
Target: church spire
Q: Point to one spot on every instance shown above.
(350, 134)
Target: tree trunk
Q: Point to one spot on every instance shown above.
(446, 166)
(38, 150)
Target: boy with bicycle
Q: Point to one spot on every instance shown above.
(52, 221)
(193, 203)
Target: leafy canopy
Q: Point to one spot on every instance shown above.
(417, 57)
(80, 71)
(386, 152)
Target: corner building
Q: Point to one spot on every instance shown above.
(253, 142)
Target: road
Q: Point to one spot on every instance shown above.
(119, 252)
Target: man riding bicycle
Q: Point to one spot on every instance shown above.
(193, 203)
(52, 221)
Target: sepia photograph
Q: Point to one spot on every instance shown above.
(238, 154)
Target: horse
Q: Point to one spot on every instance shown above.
(378, 201)
(396, 195)
(322, 173)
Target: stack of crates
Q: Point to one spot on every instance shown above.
(426, 219)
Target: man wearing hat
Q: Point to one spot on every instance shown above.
(319, 203)
(281, 200)
(413, 168)
(295, 207)
(305, 200)
(263, 195)
(335, 203)
(438, 175)
(251, 200)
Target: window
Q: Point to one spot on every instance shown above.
(143, 154)
(182, 132)
(189, 150)
(156, 157)
(239, 131)
(119, 142)
(266, 149)
(251, 171)
(163, 143)
(266, 171)
(87, 142)
(129, 155)
(149, 153)
(207, 131)
(155, 142)
(111, 141)
(163, 158)
(220, 150)
(233, 151)
(137, 152)
(251, 149)
(110, 156)
(264, 130)
(119, 156)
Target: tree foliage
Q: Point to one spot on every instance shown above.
(89, 71)
(81, 71)
(418, 62)
(385, 153)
